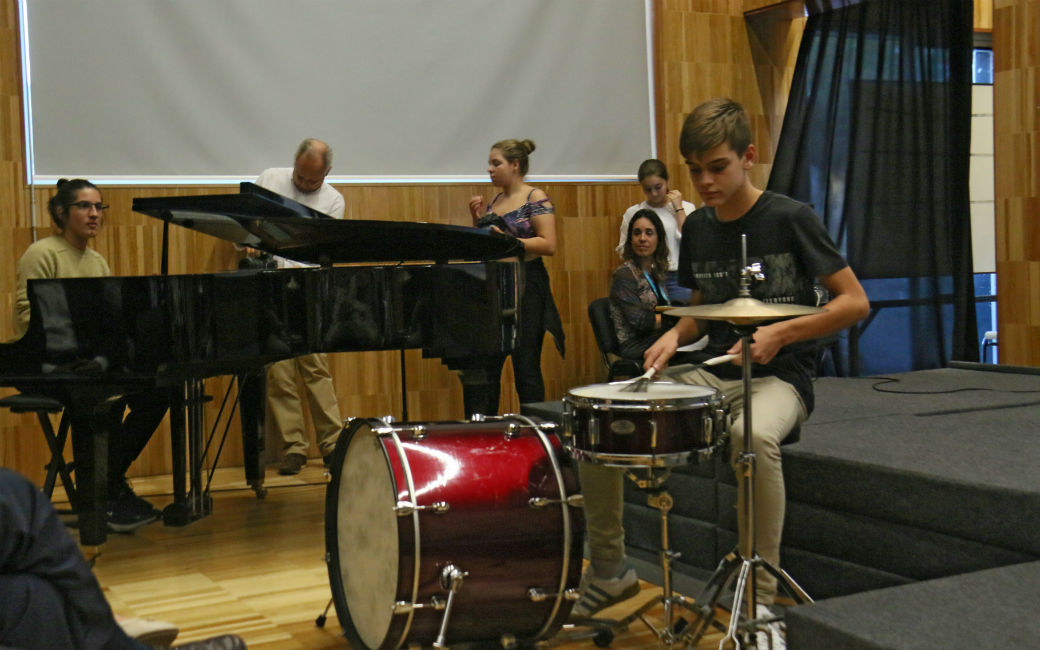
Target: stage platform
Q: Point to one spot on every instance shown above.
(995, 608)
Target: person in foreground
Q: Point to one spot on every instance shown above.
(790, 242)
(304, 183)
(671, 209)
(526, 213)
(78, 213)
(50, 598)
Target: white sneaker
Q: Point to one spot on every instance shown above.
(769, 636)
(157, 634)
(597, 593)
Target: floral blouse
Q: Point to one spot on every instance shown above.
(518, 222)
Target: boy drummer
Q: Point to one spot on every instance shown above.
(794, 249)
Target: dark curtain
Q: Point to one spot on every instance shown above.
(876, 136)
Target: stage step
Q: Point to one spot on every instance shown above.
(995, 608)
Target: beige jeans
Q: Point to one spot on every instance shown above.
(776, 410)
(285, 408)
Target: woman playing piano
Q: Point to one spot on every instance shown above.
(526, 213)
(78, 214)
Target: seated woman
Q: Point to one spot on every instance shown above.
(669, 205)
(78, 213)
(638, 287)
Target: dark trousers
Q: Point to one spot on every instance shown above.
(127, 435)
(49, 598)
(483, 397)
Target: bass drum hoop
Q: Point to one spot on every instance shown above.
(355, 427)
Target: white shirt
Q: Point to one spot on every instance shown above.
(326, 199)
(671, 228)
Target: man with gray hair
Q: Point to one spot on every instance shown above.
(304, 183)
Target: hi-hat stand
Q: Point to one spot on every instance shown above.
(741, 563)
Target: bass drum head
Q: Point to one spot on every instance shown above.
(361, 535)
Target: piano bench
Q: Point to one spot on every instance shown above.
(43, 407)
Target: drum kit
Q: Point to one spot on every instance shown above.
(467, 533)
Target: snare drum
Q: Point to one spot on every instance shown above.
(663, 426)
(450, 532)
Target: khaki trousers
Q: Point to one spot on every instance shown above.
(777, 410)
(285, 407)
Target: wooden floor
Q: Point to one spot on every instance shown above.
(256, 568)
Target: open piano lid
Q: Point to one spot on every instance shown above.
(261, 219)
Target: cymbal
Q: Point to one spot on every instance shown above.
(744, 311)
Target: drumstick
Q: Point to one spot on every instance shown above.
(638, 385)
(689, 367)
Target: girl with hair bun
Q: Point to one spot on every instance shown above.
(525, 212)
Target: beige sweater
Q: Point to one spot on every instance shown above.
(52, 257)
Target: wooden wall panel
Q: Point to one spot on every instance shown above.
(744, 50)
(1016, 124)
(705, 49)
(21, 444)
(983, 15)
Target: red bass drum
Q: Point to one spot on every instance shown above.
(451, 532)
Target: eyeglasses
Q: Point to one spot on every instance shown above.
(87, 205)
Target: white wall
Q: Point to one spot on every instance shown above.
(981, 179)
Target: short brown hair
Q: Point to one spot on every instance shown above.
(716, 121)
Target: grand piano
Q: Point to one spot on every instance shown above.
(377, 285)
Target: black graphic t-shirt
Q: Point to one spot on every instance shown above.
(788, 239)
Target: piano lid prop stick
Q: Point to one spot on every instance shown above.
(164, 263)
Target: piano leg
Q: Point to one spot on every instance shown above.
(252, 405)
(186, 431)
(173, 514)
(90, 456)
(481, 385)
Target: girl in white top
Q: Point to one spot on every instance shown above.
(669, 205)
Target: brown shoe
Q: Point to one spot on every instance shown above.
(292, 464)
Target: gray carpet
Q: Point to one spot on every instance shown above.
(995, 608)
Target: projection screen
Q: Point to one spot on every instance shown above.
(180, 91)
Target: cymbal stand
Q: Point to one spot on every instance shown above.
(743, 560)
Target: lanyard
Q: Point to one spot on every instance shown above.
(658, 291)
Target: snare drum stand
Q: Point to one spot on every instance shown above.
(659, 498)
(743, 560)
